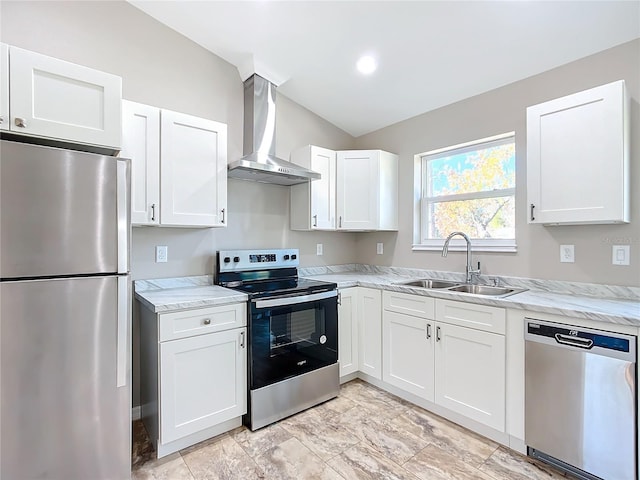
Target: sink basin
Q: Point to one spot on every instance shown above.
(429, 283)
(486, 290)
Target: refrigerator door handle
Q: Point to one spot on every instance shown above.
(122, 332)
(123, 209)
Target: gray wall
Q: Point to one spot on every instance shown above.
(499, 111)
(161, 67)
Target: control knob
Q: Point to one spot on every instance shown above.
(236, 259)
(226, 260)
(293, 257)
(286, 257)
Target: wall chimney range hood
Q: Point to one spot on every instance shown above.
(259, 162)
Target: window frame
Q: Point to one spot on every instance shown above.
(422, 201)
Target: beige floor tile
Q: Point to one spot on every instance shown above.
(457, 441)
(379, 403)
(171, 467)
(433, 463)
(292, 460)
(506, 464)
(221, 460)
(258, 442)
(363, 462)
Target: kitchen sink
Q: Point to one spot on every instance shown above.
(486, 290)
(429, 283)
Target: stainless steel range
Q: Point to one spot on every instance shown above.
(293, 332)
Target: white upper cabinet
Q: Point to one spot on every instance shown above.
(141, 143)
(4, 86)
(179, 167)
(578, 158)
(313, 204)
(367, 190)
(193, 166)
(55, 99)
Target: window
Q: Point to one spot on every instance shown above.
(468, 188)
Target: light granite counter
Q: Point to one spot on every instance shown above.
(171, 294)
(603, 303)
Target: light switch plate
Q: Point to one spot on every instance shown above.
(162, 253)
(620, 254)
(567, 253)
(318, 249)
(380, 248)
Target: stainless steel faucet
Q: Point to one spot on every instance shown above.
(470, 271)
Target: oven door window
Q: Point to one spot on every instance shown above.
(292, 339)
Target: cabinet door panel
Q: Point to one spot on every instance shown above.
(470, 373)
(193, 161)
(323, 191)
(141, 143)
(202, 382)
(4, 86)
(577, 157)
(348, 331)
(357, 189)
(58, 99)
(370, 330)
(407, 353)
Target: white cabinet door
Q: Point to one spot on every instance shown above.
(370, 330)
(407, 353)
(141, 143)
(57, 99)
(313, 204)
(202, 382)
(193, 162)
(357, 189)
(4, 86)
(470, 373)
(348, 331)
(578, 158)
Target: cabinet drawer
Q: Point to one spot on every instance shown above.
(416, 305)
(479, 317)
(202, 320)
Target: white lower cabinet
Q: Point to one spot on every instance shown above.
(348, 337)
(447, 352)
(370, 331)
(193, 369)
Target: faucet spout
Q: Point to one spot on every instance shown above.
(470, 271)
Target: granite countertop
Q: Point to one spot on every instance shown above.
(611, 304)
(171, 294)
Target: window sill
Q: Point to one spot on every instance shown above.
(460, 246)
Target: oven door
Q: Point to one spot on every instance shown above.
(291, 335)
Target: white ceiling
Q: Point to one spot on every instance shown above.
(430, 53)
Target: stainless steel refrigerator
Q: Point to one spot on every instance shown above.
(65, 304)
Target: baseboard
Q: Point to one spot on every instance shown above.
(135, 413)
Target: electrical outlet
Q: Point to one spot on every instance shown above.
(380, 248)
(567, 253)
(162, 253)
(318, 249)
(620, 254)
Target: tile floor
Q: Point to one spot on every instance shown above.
(365, 433)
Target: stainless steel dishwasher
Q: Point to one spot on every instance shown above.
(580, 400)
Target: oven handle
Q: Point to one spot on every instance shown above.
(294, 300)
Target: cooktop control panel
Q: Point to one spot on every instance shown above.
(242, 260)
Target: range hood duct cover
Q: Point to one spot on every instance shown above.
(259, 162)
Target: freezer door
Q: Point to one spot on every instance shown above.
(63, 415)
(63, 212)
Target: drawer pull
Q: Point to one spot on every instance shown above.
(21, 122)
(437, 334)
(428, 330)
(207, 321)
(241, 339)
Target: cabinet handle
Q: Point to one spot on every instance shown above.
(207, 321)
(339, 298)
(153, 212)
(21, 122)
(437, 334)
(241, 339)
(428, 330)
(315, 220)
(222, 215)
(340, 221)
(1, 120)
(532, 207)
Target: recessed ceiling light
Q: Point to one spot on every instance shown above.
(367, 65)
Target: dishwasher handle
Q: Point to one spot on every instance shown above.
(585, 343)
